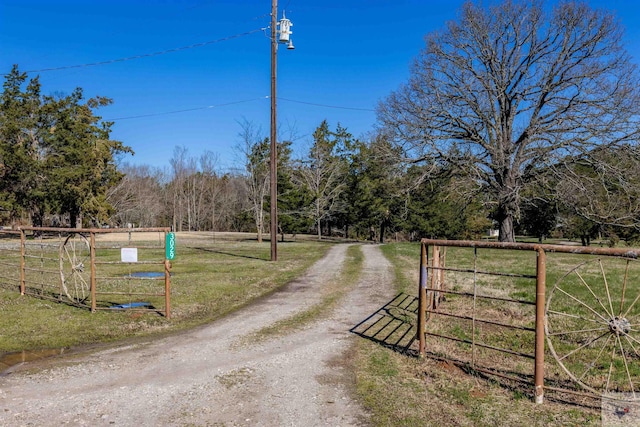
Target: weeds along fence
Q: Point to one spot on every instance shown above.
(96, 269)
(486, 305)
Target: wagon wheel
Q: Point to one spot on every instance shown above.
(75, 268)
(592, 324)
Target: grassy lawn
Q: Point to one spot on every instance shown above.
(401, 390)
(210, 278)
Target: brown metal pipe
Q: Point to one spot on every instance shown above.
(587, 250)
(92, 252)
(541, 272)
(23, 273)
(487, 346)
(487, 322)
(167, 288)
(97, 230)
(422, 301)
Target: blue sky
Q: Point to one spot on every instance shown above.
(349, 55)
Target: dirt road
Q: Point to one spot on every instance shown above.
(210, 376)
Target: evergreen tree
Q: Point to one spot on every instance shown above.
(292, 199)
(21, 133)
(322, 173)
(79, 158)
(55, 154)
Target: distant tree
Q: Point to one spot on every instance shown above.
(511, 88)
(323, 170)
(445, 206)
(255, 150)
(138, 197)
(603, 187)
(182, 167)
(213, 185)
(577, 227)
(292, 199)
(539, 217)
(374, 187)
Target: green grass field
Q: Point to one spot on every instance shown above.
(209, 279)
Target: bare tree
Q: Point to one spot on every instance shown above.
(603, 187)
(211, 185)
(181, 168)
(255, 151)
(507, 91)
(137, 198)
(323, 172)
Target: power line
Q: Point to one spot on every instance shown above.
(146, 55)
(326, 106)
(185, 110)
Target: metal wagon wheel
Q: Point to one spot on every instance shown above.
(592, 325)
(75, 268)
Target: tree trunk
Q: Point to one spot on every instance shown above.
(259, 225)
(507, 209)
(506, 229)
(37, 218)
(382, 230)
(75, 219)
(319, 220)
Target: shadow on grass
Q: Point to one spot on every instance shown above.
(46, 295)
(520, 384)
(219, 252)
(394, 326)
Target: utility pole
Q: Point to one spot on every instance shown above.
(277, 36)
(272, 138)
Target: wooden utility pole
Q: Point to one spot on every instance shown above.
(272, 139)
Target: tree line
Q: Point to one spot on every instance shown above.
(342, 186)
(515, 117)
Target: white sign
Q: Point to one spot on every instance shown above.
(129, 254)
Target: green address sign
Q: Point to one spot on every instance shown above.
(170, 246)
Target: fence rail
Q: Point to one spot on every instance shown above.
(590, 319)
(87, 267)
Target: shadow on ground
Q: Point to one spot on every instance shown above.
(393, 325)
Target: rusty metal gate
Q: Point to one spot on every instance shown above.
(86, 268)
(589, 318)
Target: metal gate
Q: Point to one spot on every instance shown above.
(85, 268)
(589, 319)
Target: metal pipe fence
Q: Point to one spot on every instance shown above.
(97, 269)
(478, 305)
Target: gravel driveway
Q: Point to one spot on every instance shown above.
(207, 377)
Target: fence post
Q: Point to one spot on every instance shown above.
(23, 278)
(540, 302)
(167, 288)
(434, 296)
(422, 300)
(92, 253)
